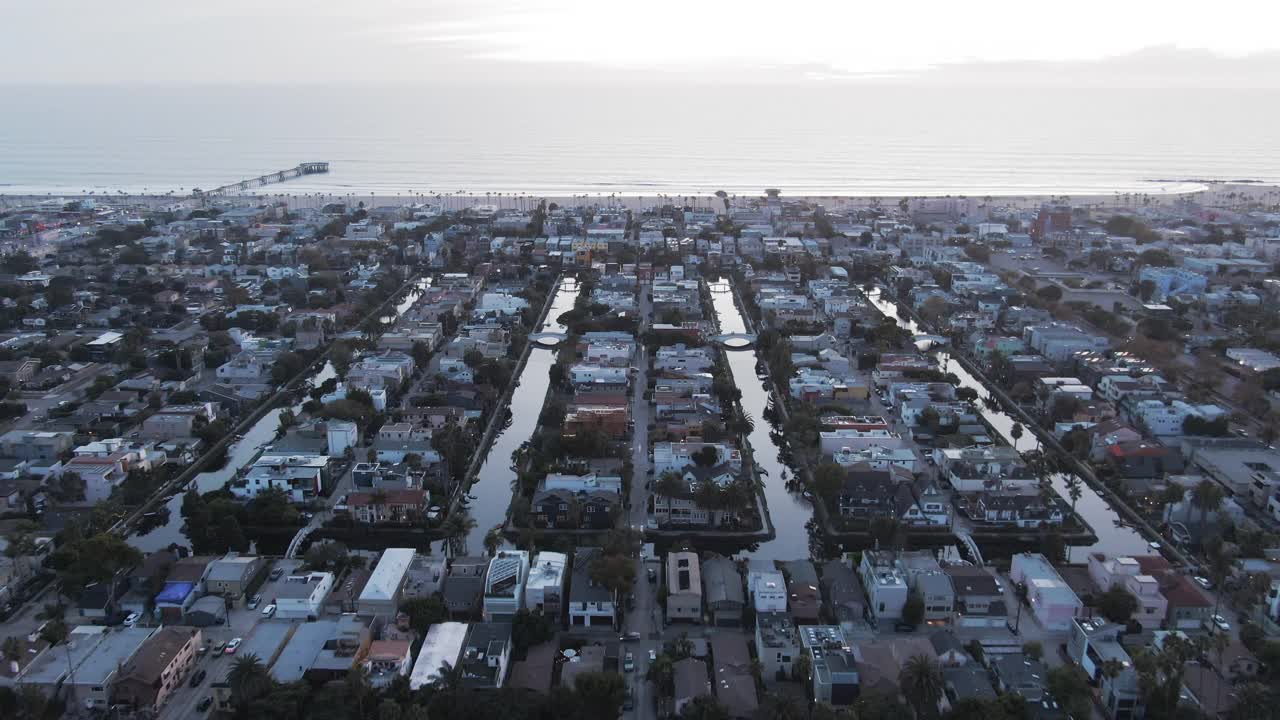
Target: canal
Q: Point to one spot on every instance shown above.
(1115, 537)
(166, 528)
(491, 487)
(789, 511)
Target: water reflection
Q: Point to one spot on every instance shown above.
(1114, 536)
(492, 485)
(790, 513)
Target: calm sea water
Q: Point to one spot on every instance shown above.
(560, 141)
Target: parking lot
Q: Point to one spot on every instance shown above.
(241, 623)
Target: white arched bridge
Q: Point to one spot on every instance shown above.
(548, 339)
(735, 341)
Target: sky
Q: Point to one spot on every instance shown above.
(423, 42)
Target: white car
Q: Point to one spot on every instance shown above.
(269, 610)
(1203, 582)
(233, 646)
(132, 619)
(1221, 623)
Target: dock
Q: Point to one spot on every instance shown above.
(307, 168)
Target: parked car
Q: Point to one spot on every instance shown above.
(132, 619)
(204, 704)
(233, 646)
(629, 663)
(1221, 623)
(269, 610)
(630, 637)
(253, 602)
(276, 573)
(220, 648)
(198, 678)
(653, 575)
(1203, 582)
(653, 655)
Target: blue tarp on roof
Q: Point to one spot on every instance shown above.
(175, 592)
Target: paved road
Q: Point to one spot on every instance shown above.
(241, 623)
(640, 411)
(646, 619)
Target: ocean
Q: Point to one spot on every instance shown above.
(560, 141)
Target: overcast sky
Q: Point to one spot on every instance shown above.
(491, 41)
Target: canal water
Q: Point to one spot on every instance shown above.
(492, 485)
(788, 510)
(1115, 537)
(166, 529)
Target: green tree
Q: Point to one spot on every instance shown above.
(1117, 604)
(703, 707)
(1070, 686)
(456, 527)
(600, 693)
(615, 572)
(424, 612)
(828, 481)
(913, 609)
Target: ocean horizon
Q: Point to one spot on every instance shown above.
(688, 141)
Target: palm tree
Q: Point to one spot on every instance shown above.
(248, 679)
(1016, 434)
(12, 649)
(492, 541)
(1206, 497)
(1074, 491)
(456, 527)
(378, 498)
(448, 679)
(921, 683)
(1172, 495)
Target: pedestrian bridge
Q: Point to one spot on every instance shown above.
(735, 341)
(548, 339)
(970, 544)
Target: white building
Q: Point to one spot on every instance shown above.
(342, 435)
(590, 482)
(885, 585)
(768, 590)
(583, 374)
(504, 585)
(501, 304)
(300, 476)
(1052, 601)
(834, 441)
(381, 594)
(545, 588)
(1164, 419)
(675, 457)
(443, 644)
(300, 597)
(879, 458)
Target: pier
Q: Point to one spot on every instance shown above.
(307, 168)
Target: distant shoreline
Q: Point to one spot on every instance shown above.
(507, 200)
